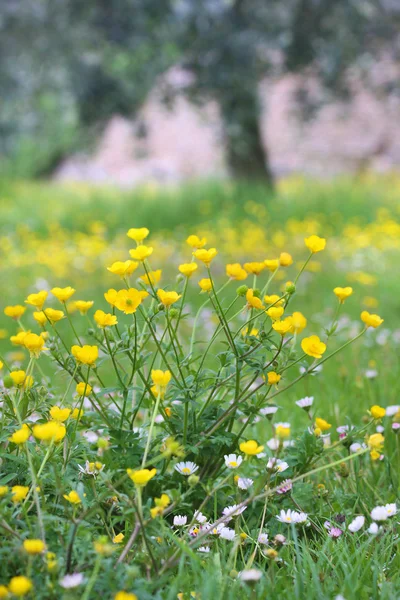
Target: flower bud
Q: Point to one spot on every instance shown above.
(290, 288)
(193, 480)
(160, 307)
(8, 382)
(173, 313)
(271, 554)
(242, 290)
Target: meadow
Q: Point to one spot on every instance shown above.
(199, 390)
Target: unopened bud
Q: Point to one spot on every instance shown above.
(193, 480)
(242, 290)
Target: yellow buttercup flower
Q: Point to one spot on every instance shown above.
(377, 412)
(196, 242)
(282, 430)
(315, 243)
(160, 380)
(34, 546)
(19, 493)
(83, 389)
(272, 264)
(342, 293)
(20, 585)
(128, 301)
(206, 256)
(83, 306)
(141, 477)
(86, 355)
(3, 591)
(312, 346)
(53, 315)
(34, 343)
(168, 298)
(121, 595)
(322, 424)
(163, 501)
(15, 312)
(21, 379)
(371, 320)
(117, 539)
(104, 319)
(235, 271)
(251, 448)
(63, 294)
(152, 277)
(283, 327)
(273, 377)
(18, 340)
(299, 322)
(275, 312)
(141, 252)
(60, 414)
(123, 269)
(285, 259)
(21, 435)
(274, 299)
(138, 234)
(253, 332)
(376, 441)
(252, 300)
(3, 490)
(52, 431)
(37, 300)
(188, 269)
(40, 318)
(254, 267)
(73, 497)
(111, 296)
(205, 285)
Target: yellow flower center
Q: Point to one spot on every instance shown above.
(185, 470)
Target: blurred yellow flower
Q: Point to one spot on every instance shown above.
(60, 414)
(141, 477)
(254, 267)
(252, 300)
(188, 269)
(73, 497)
(63, 294)
(235, 271)
(206, 256)
(15, 312)
(83, 389)
(343, 293)
(53, 315)
(312, 346)
(371, 320)
(138, 234)
(196, 242)
(168, 298)
(205, 285)
(377, 412)
(104, 319)
(315, 243)
(141, 252)
(123, 268)
(20, 436)
(152, 277)
(33, 546)
(37, 300)
(86, 355)
(251, 448)
(52, 431)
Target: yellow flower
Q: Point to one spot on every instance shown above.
(251, 448)
(371, 320)
(125, 596)
(376, 441)
(50, 431)
(20, 435)
(274, 299)
(139, 234)
(34, 546)
(20, 585)
(40, 318)
(141, 252)
(205, 285)
(104, 319)
(315, 243)
(160, 380)
(168, 298)
(37, 300)
(206, 256)
(3, 591)
(53, 315)
(377, 412)
(252, 300)
(188, 269)
(375, 455)
(83, 306)
(283, 327)
(322, 424)
(86, 355)
(163, 501)
(282, 430)
(254, 267)
(117, 539)
(342, 293)
(21, 379)
(195, 242)
(272, 264)
(3, 490)
(111, 296)
(83, 389)
(18, 340)
(236, 272)
(152, 277)
(63, 294)
(141, 477)
(128, 301)
(34, 343)
(273, 377)
(73, 497)
(60, 414)
(299, 322)
(123, 268)
(275, 312)
(285, 259)
(312, 346)
(19, 493)
(253, 332)
(15, 312)
(76, 413)
(156, 511)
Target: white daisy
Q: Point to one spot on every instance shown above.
(268, 410)
(373, 528)
(273, 444)
(392, 410)
(199, 517)
(233, 511)
(204, 549)
(227, 534)
(286, 516)
(244, 483)
(379, 513)
(232, 461)
(356, 524)
(180, 520)
(391, 509)
(263, 538)
(186, 468)
(306, 402)
(250, 575)
(69, 582)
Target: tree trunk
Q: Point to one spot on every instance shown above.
(247, 156)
